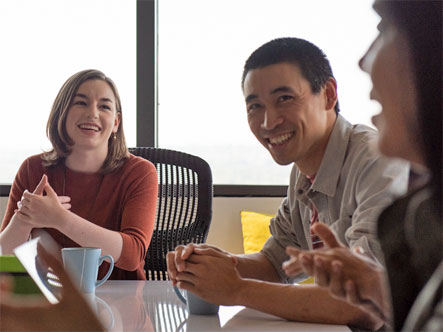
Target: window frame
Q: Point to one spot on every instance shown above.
(147, 97)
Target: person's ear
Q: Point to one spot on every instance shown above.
(330, 93)
(116, 122)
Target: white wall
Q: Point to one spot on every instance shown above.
(225, 231)
(3, 203)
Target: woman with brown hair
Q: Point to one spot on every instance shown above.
(96, 193)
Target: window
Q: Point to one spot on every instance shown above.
(43, 43)
(202, 49)
(201, 52)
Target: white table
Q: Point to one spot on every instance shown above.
(154, 306)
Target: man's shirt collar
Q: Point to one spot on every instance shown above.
(329, 171)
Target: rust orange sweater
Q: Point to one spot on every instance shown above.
(122, 201)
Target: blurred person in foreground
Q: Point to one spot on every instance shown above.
(405, 65)
(27, 313)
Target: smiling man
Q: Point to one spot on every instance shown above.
(338, 178)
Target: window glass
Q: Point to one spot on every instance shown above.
(43, 43)
(202, 49)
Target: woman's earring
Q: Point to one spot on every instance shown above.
(115, 136)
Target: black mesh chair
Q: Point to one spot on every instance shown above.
(184, 205)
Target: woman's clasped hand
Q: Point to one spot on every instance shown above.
(40, 210)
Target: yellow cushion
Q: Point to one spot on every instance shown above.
(255, 227)
(309, 280)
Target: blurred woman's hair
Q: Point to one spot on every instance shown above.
(421, 23)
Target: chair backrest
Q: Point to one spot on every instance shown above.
(184, 205)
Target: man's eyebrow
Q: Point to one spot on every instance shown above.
(281, 89)
(276, 90)
(250, 97)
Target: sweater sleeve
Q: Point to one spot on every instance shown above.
(21, 182)
(138, 216)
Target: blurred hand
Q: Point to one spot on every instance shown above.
(295, 266)
(346, 273)
(72, 313)
(292, 266)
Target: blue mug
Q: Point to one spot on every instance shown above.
(82, 266)
(196, 305)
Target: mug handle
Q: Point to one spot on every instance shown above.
(111, 315)
(111, 267)
(179, 294)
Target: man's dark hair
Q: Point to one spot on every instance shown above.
(311, 60)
